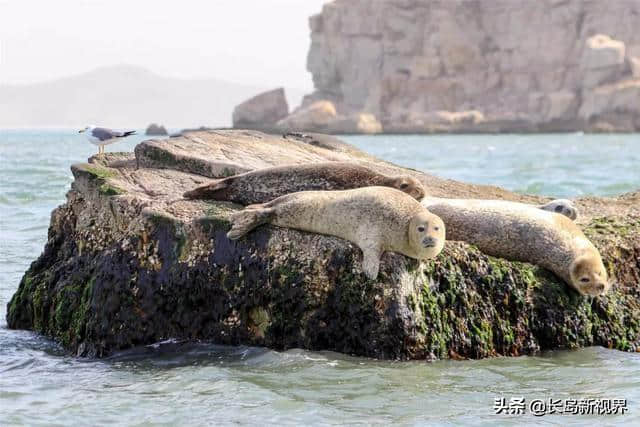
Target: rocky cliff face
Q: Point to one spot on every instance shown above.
(129, 262)
(472, 65)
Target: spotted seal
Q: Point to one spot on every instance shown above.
(521, 232)
(263, 185)
(377, 219)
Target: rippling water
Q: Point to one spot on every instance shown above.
(171, 383)
(560, 165)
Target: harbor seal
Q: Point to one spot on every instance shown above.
(377, 219)
(561, 206)
(521, 232)
(263, 185)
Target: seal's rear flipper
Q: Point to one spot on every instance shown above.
(212, 191)
(248, 219)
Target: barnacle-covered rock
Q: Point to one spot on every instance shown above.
(130, 262)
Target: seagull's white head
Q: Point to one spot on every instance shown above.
(86, 128)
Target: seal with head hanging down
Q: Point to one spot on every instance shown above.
(520, 232)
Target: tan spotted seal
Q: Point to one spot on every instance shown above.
(561, 206)
(377, 219)
(521, 232)
(263, 185)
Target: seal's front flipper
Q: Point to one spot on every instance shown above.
(371, 262)
(248, 219)
(214, 191)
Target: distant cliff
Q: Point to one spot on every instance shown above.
(472, 65)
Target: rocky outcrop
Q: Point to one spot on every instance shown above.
(479, 66)
(612, 107)
(155, 129)
(262, 111)
(321, 116)
(128, 262)
(315, 117)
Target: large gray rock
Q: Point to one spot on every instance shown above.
(129, 262)
(410, 63)
(262, 111)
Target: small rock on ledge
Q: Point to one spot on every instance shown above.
(156, 130)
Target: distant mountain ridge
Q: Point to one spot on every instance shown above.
(123, 96)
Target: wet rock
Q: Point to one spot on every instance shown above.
(129, 262)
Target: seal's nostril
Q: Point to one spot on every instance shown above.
(601, 287)
(429, 242)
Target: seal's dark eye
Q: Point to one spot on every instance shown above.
(404, 185)
(421, 229)
(558, 209)
(584, 279)
(436, 228)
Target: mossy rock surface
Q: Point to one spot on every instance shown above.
(129, 262)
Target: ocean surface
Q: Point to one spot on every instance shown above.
(174, 383)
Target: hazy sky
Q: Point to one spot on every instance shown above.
(258, 42)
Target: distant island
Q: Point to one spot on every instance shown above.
(122, 96)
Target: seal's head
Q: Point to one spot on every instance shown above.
(563, 207)
(588, 274)
(409, 185)
(426, 234)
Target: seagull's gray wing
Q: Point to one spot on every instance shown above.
(104, 134)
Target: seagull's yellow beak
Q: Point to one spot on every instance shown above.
(81, 130)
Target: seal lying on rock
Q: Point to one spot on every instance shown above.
(563, 207)
(521, 232)
(377, 219)
(263, 185)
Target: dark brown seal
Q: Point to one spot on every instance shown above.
(263, 185)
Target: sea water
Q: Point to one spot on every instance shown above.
(175, 383)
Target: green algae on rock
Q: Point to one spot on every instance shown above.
(129, 262)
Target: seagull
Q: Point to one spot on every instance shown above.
(104, 136)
